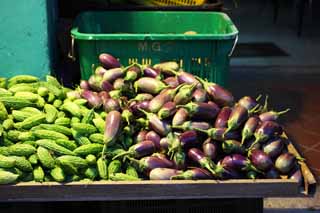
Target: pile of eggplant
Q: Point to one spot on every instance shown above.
(170, 124)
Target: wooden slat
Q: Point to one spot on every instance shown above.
(148, 190)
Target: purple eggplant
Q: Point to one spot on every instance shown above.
(231, 174)
(198, 156)
(199, 95)
(180, 117)
(193, 125)
(108, 61)
(151, 73)
(166, 96)
(249, 128)
(172, 82)
(160, 127)
(250, 146)
(285, 162)
(218, 94)
(272, 174)
(223, 117)
(149, 85)
(272, 115)
(260, 160)
(163, 173)
(185, 94)
(142, 97)
(165, 143)
(273, 147)
(249, 103)
(95, 83)
(112, 127)
(149, 163)
(193, 174)
(104, 96)
(135, 107)
(167, 110)
(220, 134)
(111, 105)
(238, 162)
(238, 116)
(232, 146)
(185, 77)
(100, 71)
(210, 149)
(189, 138)
(84, 85)
(296, 175)
(203, 111)
(133, 72)
(106, 86)
(93, 98)
(265, 131)
(139, 150)
(154, 137)
(113, 74)
(141, 136)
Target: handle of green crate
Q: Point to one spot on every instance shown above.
(234, 46)
(71, 54)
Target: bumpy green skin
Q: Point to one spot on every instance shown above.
(81, 140)
(43, 91)
(27, 95)
(74, 120)
(69, 144)
(22, 79)
(30, 122)
(23, 87)
(87, 118)
(61, 114)
(3, 112)
(63, 121)
(76, 161)
(58, 174)
(122, 177)
(31, 110)
(7, 177)
(51, 145)
(85, 129)
(48, 134)
(102, 166)
(32, 143)
(7, 124)
(16, 103)
(72, 108)
(87, 149)
(99, 124)
(132, 171)
(51, 97)
(38, 174)
(45, 157)
(22, 163)
(5, 93)
(21, 150)
(6, 142)
(26, 136)
(57, 103)
(57, 128)
(20, 115)
(51, 113)
(114, 167)
(54, 90)
(6, 162)
(96, 138)
(4, 151)
(33, 159)
(91, 173)
(80, 101)
(13, 135)
(91, 160)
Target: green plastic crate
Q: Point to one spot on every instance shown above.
(150, 37)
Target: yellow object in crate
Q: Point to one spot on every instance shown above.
(172, 2)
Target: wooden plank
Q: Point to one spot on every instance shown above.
(148, 190)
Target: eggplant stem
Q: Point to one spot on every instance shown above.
(283, 112)
(201, 130)
(258, 97)
(265, 106)
(121, 154)
(103, 153)
(254, 109)
(252, 145)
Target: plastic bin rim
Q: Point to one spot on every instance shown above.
(154, 36)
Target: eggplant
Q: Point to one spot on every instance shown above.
(238, 162)
(120, 84)
(297, 175)
(167, 110)
(149, 85)
(180, 117)
(111, 105)
(198, 156)
(133, 72)
(223, 117)
(108, 61)
(238, 116)
(163, 173)
(273, 147)
(95, 83)
(199, 95)
(104, 96)
(189, 139)
(249, 103)
(112, 74)
(185, 94)
(193, 174)
(151, 73)
(164, 144)
(193, 125)
(218, 94)
(100, 71)
(106, 86)
(272, 115)
(139, 150)
(260, 160)
(232, 146)
(210, 149)
(135, 107)
(285, 162)
(172, 82)
(231, 174)
(149, 163)
(272, 174)
(249, 128)
(202, 111)
(94, 101)
(112, 126)
(154, 137)
(166, 96)
(220, 134)
(160, 127)
(84, 85)
(187, 78)
(141, 136)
